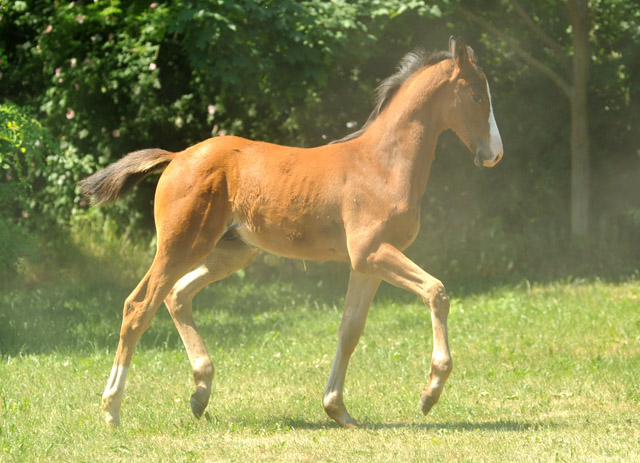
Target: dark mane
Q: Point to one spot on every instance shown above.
(411, 63)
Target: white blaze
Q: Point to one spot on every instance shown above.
(495, 142)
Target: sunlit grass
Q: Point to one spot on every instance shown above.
(541, 373)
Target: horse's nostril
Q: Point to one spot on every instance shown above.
(483, 155)
(477, 160)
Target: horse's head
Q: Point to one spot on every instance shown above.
(471, 113)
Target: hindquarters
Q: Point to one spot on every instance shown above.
(192, 207)
(191, 212)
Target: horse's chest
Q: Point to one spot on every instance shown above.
(401, 227)
(390, 218)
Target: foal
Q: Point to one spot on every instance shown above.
(220, 202)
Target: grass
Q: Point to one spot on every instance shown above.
(544, 372)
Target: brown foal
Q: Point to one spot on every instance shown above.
(220, 202)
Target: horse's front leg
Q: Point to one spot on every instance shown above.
(388, 263)
(359, 296)
(441, 361)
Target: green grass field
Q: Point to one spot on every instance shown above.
(541, 373)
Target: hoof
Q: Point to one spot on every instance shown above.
(112, 421)
(197, 407)
(199, 401)
(338, 412)
(344, 419)
(426, 403)
(350, 424)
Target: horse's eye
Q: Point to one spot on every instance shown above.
(477, 98)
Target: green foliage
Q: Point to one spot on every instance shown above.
(23, 144)
(23, 140)
(111, 76)
(39, 200)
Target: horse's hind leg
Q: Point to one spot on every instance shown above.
(187, 232)
(139, 309)
(360, 293)
(227, 257)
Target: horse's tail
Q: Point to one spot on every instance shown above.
(118, 179)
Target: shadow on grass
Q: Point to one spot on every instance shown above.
(502, 426)
(465, 426)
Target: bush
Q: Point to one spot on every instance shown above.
(23, 145)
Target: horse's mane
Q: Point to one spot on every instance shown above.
(410, 64)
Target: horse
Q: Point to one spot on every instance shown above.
(356, 200)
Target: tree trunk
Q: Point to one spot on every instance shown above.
(576, 91)
(578, 14)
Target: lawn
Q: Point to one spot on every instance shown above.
(542, 372)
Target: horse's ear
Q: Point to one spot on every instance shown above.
(472, 55)
(460, 52)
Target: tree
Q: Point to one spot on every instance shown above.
(572, 78)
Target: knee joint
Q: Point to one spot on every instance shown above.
(436, 298)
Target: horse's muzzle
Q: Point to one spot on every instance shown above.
(486, 158)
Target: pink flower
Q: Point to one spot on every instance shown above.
(153, 5)
(116, 133)
(74, 62)
(70, 114)
(58, 72)
(48, 29)
(152, 66)
(211, 109)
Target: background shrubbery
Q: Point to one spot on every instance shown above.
(82, 83)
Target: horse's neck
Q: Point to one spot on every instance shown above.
(404, 141)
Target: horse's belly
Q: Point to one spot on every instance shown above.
(311, 241)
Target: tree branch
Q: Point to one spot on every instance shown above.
(524, 55)
(546, 38)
